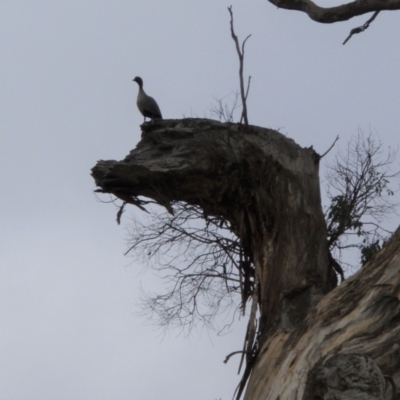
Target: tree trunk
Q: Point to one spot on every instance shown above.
(267, 187)
(336, 350)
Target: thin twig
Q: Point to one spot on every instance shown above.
(330, 148)
(232, 354)
(240, 53)
(248, 87)
(119, 213)
(362, 28)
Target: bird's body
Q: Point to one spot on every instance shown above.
(146, 104)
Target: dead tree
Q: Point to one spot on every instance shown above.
(267, 188)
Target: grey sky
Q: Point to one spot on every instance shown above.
(67, 295)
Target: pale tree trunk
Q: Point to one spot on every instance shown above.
(267, 187)
(345, 346)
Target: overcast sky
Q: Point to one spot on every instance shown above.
(68, 297)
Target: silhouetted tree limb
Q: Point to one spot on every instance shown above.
(224, 112)
(240, 51)
(191, 250)
(330, 148)
(361, 28)
(339, 13)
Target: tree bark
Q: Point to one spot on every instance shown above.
(360, 318)
(267, 187)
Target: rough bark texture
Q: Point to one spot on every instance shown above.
(262, 182)
(361, 316)
(342, 12)
(267, 187)
(349, 376)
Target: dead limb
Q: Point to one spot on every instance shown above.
(232, 354)
(343, 12)
(361, 28)
(120, 211)
(330, 148)
(240, 51)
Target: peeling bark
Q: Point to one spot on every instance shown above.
(361, 316)
(267, 187)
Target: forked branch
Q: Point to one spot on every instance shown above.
(343, 12)
(240, 51)
(361, 28)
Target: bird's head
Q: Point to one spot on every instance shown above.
(138, 80)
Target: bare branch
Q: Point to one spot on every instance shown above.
(232, 354)
(223, 111)
(119, 213)
(199, 258)
(361, 28)
(240, 53)
(330, 148)
(248, 87)
(344, 12)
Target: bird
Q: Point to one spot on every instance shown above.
(146, 104)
